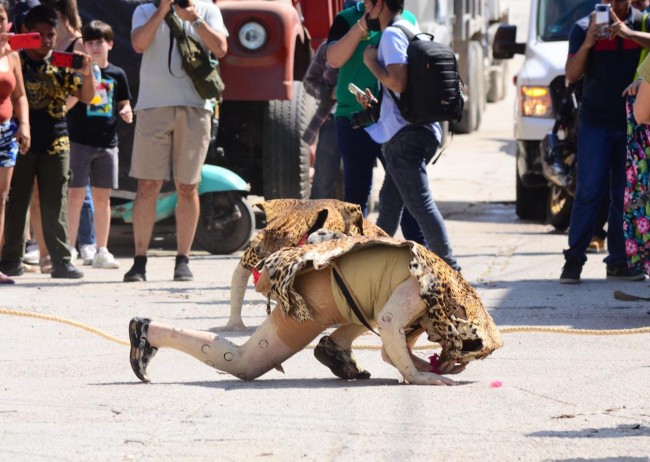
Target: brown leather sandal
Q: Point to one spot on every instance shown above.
(340, 361)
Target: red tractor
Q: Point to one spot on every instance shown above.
(265, 107)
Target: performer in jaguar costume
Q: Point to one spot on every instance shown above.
(399, 287)
(289, 222)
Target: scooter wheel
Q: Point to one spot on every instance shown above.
(226, 223)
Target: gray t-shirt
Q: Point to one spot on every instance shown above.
(159, 88)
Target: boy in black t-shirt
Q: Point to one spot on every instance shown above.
(48, 87)
(93, 141)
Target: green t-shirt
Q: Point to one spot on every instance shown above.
(354, 71)
(644, 70)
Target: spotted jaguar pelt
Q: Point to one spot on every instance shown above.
(291, 221)
(459, 321)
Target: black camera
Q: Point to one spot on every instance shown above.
(182, 3)
(366, 117)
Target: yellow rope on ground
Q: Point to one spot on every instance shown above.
(429, 346)
(48, 317)
(566, 330)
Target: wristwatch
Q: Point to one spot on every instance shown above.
(197, 23)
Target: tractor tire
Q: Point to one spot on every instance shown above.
(285, 155)
(498, 83)
(469, 122)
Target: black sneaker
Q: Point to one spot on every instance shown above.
(182, 270)
(571, 272)
(623, 273)
(141, 350)
(135, 274)
(63, 269)
(340, 361)
(12, 268)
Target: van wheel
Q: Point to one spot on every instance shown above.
(285, 155)
(530, 202)
(558, 209)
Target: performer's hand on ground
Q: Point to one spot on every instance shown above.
(429, 378)
(451, 367)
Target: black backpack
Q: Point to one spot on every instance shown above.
(434, 89)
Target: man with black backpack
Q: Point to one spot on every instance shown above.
(407, 147)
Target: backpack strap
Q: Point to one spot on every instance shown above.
(350, 299)
(175, 31)
(410, 36)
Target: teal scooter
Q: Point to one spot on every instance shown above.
(226, 221)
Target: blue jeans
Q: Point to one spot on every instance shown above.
(407, 184)
(359, 153)
(328, 163)
(601, 166)
(86, 233)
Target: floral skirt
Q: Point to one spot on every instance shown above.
(636, 219)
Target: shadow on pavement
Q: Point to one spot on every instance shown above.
(621, 431)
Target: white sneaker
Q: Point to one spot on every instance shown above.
(105, 259)
(32, 255)
(88, 252)
(73, 256)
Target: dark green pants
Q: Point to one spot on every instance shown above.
(52, 174)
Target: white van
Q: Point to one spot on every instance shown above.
(540, 84)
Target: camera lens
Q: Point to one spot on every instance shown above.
(182, 3)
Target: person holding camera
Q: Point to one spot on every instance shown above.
(604, 51)
(173, 123)
(407, 147)
(49, 80)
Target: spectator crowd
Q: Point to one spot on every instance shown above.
(58, 131)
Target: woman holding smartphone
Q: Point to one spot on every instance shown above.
(14, 132)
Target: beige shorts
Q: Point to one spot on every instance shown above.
(175, 137)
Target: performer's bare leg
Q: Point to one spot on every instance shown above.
(261, 353)
(238, 286)
(344, 335)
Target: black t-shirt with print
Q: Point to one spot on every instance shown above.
(95, 124)
(48, 88)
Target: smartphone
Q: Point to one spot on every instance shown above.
(602, 14)
(358, 92)
(72, 60)
(25, 41)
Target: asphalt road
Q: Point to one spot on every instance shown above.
(68, 394)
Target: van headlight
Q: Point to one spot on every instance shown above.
(536, 102)
(252, 35)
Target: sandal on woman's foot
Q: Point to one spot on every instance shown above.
(340, 361)
(141, 350)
